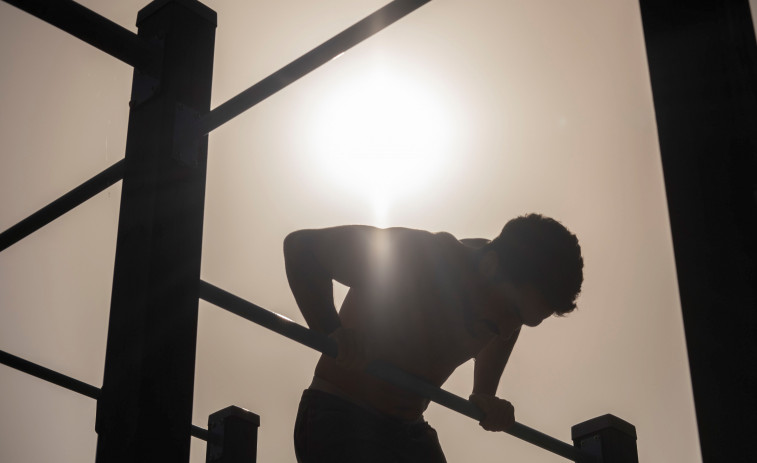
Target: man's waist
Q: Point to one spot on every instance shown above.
(408, 414)
(323, 385)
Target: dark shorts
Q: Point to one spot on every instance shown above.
(331, 429)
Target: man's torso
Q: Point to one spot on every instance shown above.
(413, 316)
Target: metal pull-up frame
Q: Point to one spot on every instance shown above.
(150, 353)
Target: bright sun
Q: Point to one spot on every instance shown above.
(382, 136)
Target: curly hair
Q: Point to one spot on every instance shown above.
(540, 251)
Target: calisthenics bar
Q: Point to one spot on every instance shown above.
(60, 206)
(308, 62)
(94, 29)
(67, 382)
(325, 345)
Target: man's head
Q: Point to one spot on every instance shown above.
(539, 251)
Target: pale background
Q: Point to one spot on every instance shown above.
(457, 118)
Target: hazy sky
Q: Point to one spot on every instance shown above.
(457, 118)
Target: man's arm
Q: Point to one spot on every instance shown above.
(490, 363)
(499, 414)
(351, 255)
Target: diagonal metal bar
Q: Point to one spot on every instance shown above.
(62, 205)
(267, 319)
(49, 375)
(308, 62)
(67, 382)
(389, 373)
(94, 29)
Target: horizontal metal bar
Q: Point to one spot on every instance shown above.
(62, 205)
(200, 433)
(308, 62)
(267, 319)
(49, 375)
(69, 383)
(389, 373)
(94, 29)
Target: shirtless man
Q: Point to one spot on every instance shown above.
(426, 303)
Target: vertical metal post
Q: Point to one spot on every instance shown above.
(608, 438)
(233, 436)
(702, 58)
(144, 411)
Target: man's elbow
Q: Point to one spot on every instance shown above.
(296, 243)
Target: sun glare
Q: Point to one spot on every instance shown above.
(383, 137)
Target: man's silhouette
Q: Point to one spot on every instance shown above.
(426, 303)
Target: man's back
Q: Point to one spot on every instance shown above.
(410, 314)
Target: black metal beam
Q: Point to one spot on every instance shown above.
(308, 62)
(703, 72)
(267, 319)
(200, 433)
(62, 205)
(67, 382)
(94, 29)
(149, 371)
(327, 346)
(49, 375)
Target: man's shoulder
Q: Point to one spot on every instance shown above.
(475, 242)
(445, 237)
(417, 244)
(419, 236)
(449, 241)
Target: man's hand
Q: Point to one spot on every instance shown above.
(351, 351)
(499, 414)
